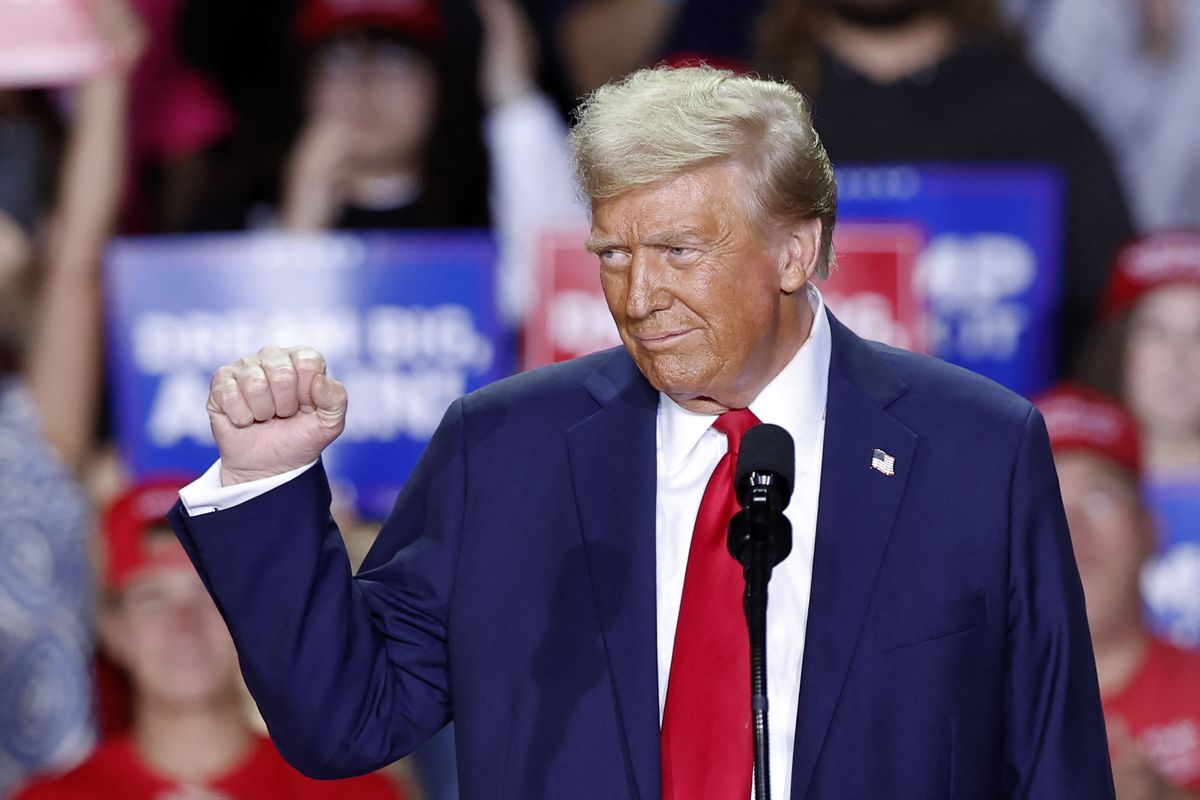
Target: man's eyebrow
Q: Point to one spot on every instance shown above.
(596, 245)
(667, 238)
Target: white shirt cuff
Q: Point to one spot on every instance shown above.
(206, 494)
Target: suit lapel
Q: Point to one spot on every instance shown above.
(856, 511)
(613, 468)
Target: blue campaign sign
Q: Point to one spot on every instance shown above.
(407, 321)
(990, 274)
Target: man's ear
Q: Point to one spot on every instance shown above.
(802, 250)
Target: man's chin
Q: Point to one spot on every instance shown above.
(671, 373)
(692, 395)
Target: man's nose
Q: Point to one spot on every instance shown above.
(647, 288)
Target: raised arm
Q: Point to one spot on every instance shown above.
(64, 364)
(350, 674)
(532, 185)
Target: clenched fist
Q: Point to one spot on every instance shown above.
(274, 412)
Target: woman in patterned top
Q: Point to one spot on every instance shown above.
(49, 381)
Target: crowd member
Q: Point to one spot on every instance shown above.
(49, 376)
(927, 80)
(1148, 353)
(378, 113)
(1133, 66)
(191, 736)
(371, 95)
(1150, 689)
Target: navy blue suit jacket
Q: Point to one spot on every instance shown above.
(513, 590)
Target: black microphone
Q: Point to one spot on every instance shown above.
(760, 536)
(763, 481)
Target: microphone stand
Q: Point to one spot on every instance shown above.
(760, 537)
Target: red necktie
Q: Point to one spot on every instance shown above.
(707, 747)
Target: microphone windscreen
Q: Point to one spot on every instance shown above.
(767, 448)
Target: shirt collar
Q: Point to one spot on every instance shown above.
(794, 400)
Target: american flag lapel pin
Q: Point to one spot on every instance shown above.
(883, 462)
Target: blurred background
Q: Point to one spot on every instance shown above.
(184, 181)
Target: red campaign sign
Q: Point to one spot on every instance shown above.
(872, 291)
(49, 42)
(873, 288)
(570, 317)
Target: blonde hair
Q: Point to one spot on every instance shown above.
(660, 122)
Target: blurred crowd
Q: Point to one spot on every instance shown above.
(117, 677)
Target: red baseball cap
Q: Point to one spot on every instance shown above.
(1080, 418)
(321, 19)
(127, 548)
(1148, 262)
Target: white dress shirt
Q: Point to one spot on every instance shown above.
(688, 449)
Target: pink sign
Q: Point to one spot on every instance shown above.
(872, 291)
(48, 42)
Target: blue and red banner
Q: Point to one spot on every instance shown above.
(990, 273)
(407, 321)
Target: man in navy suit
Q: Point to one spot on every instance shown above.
(551, 577)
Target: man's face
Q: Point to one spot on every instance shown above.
(705, 301)
(1162, 360)
(1110, 534)
(166, 631)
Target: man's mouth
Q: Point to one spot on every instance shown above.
(662, 339)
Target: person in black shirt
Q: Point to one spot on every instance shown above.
(940, 81)
(383, 140)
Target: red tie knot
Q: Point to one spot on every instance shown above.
(734, 425)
